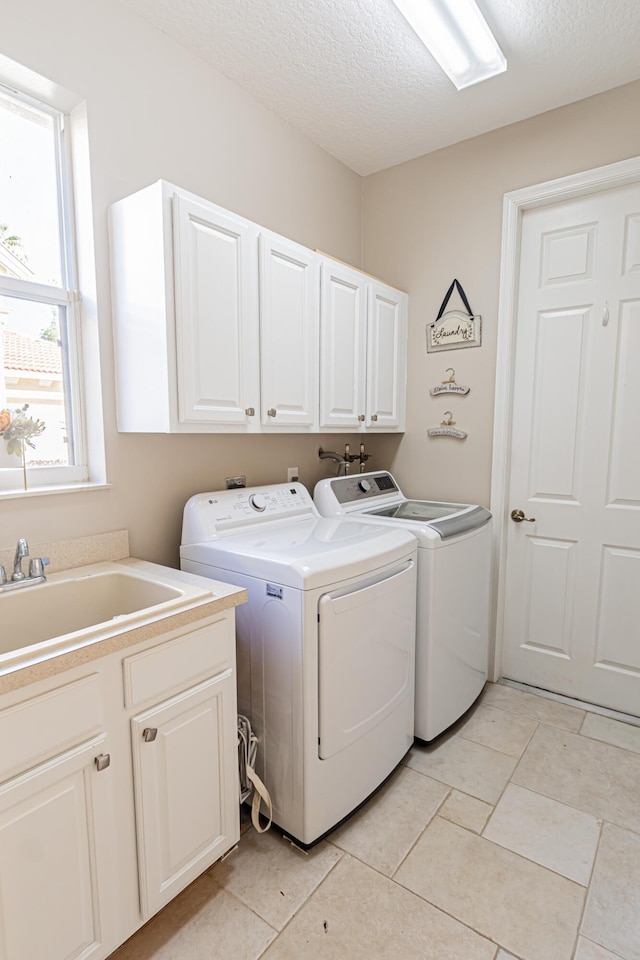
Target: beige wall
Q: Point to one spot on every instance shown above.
(155, 111)
(440, 217)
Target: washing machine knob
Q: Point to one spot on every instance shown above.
(364, 485)
(258, 502)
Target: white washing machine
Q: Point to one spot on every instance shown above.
(325, 644)
(453, 596)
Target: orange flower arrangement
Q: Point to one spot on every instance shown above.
(16, 428)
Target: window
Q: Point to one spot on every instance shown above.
(40, 351)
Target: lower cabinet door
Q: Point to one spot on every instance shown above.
(186, 787)
(56, 878)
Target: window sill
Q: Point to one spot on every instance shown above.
(86, 487)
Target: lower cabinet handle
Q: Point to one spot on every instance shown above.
(103, 761)
(250, 411)
(272, 412)
(149, 734)
(361, 417)
(374, 417)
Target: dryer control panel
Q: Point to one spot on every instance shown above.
(208, 515)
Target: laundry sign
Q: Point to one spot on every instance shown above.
(455, 328)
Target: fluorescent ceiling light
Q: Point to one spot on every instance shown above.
(458, 36)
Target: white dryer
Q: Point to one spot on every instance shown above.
(325, 644)
(453, 596)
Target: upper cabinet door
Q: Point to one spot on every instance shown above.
(216, 315)
(386, 357)
(342, 346)
(289, 307)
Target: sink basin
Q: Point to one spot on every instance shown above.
(81, 607)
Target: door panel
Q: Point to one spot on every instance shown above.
(624, 485)
(550, 573)
(558, 407)
(573, 574)
(617, 645)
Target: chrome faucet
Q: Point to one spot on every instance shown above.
(19, 578)
(22, 550)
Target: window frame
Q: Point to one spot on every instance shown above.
(67, 298)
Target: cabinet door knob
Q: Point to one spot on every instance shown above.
(272, 412)
(361, 417)
(374, 417)
(103, 761)
(149, 734)
(250, 411)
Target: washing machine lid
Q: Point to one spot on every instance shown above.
(430, 518)
(378, 496)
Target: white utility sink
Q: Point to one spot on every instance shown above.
(82, 605)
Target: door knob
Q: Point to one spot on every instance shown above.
(518, 516)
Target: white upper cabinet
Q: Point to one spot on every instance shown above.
(289, 306)
(221, 326)
(342, 347)
(387, 320)
(216, 328)
(363, 344)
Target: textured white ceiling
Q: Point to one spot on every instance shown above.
(353, 77)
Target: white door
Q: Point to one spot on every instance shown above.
(387, 316)
(343, 305)
(186, 787)
(572, 590)
(216, 272)
(56, 879)
(289, 316)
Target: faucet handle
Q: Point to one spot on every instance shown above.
(37, 565)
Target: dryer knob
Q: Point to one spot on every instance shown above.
(364, 485)
(258, 502)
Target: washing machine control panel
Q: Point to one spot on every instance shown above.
(356, 489)
(207, 515)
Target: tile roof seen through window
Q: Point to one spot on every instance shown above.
(30, 354)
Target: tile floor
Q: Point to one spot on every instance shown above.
(515, 837)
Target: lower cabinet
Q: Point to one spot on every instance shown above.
(97, 835)
(56, 871)
(186, 809)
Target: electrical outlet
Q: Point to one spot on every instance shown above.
(292, 474)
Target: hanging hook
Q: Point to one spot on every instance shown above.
(452, 378)
(447, 423)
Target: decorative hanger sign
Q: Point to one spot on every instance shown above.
(454, 329)
(449, 386)
(447, 428)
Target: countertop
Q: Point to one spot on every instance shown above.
(212, 597)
